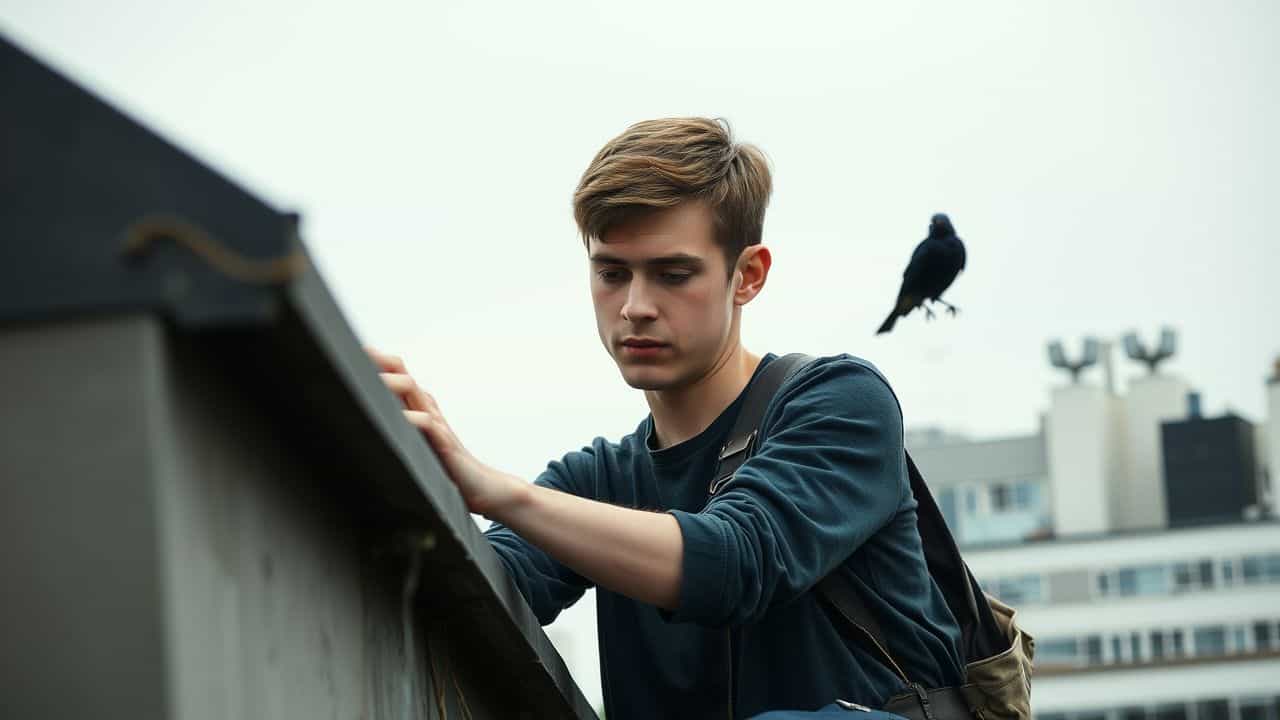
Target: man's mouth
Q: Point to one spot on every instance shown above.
(642, 347)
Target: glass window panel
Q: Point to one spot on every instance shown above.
(1171, 711)
(1135, 647)
(1128, 581)
(1179, 646)
(1152, 580)
(1022, 495)
(1251, 568)
(1228, 572)
(1116, 650)
(999, 497)
(1206, 573)
(1262, 638)
(1210, 641)
(1157, 645)
(1216, 709)
(1182, 576)
(1254, 709)
(1271, 568)
(1239, 641)
(1093, 650)
(1058, 651)
(1104, 584)
(1134, 712)
(948, 504)
(1022, 590)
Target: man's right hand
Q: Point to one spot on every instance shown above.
(483, 488)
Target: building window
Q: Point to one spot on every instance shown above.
(1188, 575)
(971, 501)
(1134, 712)
(1239, 639)
(1210, 641)
(1143, 580)
(1262, 637)
(1252, 569)
(1179, 647)
(947, 503)
(1216, 709)
(1019, 590)
(1260, 568)
(1258, 708)
(1170, 711)
(1093, 650)
(1058, 651)
(1024, 495)
(1182, 579)
(1157, 645)
(999, 497)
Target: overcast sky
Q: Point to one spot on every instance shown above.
(1110, 166)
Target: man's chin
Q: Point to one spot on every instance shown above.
(645, 377)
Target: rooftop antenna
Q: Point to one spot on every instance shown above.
(1136, 350)
(1089, 357)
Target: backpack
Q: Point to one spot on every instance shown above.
(996, 652)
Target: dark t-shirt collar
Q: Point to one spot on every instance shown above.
(681, 452)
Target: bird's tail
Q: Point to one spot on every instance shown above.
(888, 322)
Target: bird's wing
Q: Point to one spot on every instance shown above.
(963, 253)
(926, 255)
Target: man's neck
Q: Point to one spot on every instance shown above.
(681, 414)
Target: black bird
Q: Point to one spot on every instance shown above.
(933, 267)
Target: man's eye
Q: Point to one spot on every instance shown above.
(675, 278)
(610, 276)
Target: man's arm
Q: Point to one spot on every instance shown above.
(631, 552)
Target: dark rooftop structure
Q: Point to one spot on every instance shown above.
(210, 503)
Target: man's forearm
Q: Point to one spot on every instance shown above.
(631, 552)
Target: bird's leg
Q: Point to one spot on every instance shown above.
(951, 309)
(928, 314)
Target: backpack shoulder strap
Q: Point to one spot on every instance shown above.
(746, 427)
(834, 589)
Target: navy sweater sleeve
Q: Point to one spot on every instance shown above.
(829, 472)
(547, 585)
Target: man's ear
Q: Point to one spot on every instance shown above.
(753, 269)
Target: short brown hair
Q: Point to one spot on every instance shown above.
(660, 163)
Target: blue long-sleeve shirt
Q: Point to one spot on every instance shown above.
(826, 491)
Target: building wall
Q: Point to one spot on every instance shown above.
(1062, 601)
(1081, 458)
(1138, 500)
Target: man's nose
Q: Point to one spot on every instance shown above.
(639, 305)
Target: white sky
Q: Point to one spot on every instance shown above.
(1111, 166)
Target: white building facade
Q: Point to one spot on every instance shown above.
(1148, 572)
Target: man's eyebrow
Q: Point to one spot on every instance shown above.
(665, 260)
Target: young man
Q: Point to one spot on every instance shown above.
(704, 603)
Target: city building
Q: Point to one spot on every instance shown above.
(1139, 541)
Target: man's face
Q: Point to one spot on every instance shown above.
(663, 300)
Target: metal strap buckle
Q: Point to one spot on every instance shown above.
(732, 448)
